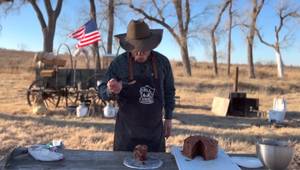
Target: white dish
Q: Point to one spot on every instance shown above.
(222, 162)
(150, 163)
(247, 162)
(43, 153)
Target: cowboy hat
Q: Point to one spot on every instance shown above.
(139, 37)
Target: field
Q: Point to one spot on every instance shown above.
(19, 127)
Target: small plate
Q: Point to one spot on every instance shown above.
(44, 153)
(247, 162)
(150, 163)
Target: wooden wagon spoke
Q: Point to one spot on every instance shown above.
(34, 89)
(71, 96)
(52, 101)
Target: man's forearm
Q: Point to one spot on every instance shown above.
(169, 103)
(168, 114)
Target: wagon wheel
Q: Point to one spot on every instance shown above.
(51, 97)
(71, 96)
(95, 103)
(93, 96)
(93, 91)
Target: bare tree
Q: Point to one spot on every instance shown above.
(5, 2)
(284, 11)
(95, 45)
(110, 11)
(212, 35)
(182, 24)
(49, 28)
(256, 8)
(110, 16)
(229, 37)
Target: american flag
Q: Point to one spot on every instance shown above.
(86, 34)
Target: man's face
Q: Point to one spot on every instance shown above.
(140, 56)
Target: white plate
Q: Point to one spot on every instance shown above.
(150, 163)
(222, 162)
(247, 162)
(43, 153)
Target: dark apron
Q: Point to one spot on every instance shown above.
(139, 120)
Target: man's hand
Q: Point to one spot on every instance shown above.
(114, 86)
(168, 127)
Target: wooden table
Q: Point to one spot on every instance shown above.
(88, 160)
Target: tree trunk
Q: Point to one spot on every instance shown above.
(250, 57)
(48, 30)
(95, 45)
(48, 34)
(280, 65)
(48, 42)
(185, 58)
(250, 38)
(213, 38)
(229, 39)
(214, 52)
(110, 26)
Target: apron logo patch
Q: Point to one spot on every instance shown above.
(146, 95)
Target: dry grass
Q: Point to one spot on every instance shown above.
(19, 127)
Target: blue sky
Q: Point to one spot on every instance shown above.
(21, 29)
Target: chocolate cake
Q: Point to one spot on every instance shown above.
(200, 145)
(140, 152)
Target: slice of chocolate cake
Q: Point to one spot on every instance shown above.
(200, 145)
(140, 152)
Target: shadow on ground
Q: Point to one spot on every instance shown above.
(232, 122)
(185, 106)
(243, 86)
(109, 127)
(228, 122)
(238, 123)
(229, 136)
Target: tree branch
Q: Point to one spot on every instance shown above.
(282, 18)
(188, 15)
(178, 7)
(262, 40)
(220, 15)
(259, 7)
(285, 38)
(164, 24)
(120, 3)
(39, 14)
(159, 11)
(58, 8)
(6, 1)
(48, 7)
(10, 6)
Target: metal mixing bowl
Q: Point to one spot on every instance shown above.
(274, 154)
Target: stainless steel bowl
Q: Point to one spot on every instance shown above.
(274, 154)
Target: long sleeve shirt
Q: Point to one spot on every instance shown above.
(118, 69)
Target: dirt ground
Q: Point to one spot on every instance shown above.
(19, 127)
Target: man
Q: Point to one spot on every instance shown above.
(141, 80)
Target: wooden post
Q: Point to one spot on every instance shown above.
(236, 82)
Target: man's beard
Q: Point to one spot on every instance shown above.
(140, 59)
